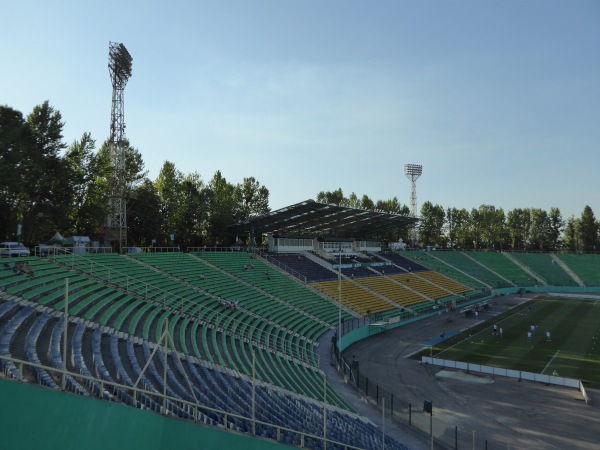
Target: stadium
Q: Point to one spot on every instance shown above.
(303, 327)
(293, 343)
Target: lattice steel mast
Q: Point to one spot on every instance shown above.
(413, 172)
(119, 66)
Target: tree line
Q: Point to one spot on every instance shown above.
(484, 228)
(48, 186)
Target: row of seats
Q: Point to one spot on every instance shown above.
(444, 269)
(219, 343)
(479, 274)
(499, 269)
(387, 286)
(292, 333)
(128, 313)
(501, 265)
(100, 351)
(261, 275)
(307, 270)
(355, 297)
(586, 267)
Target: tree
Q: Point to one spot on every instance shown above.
(518, 224)
(13, 154)
(46, 193)
(432, 224)
(588, 230)
(392, 206)
(332, 198)
(134, 172)
(571, 234)
(555, 228)
(185, 205)
(192, 214)
(144, 217)
(539, 232)
(254, 198)
(128, 177)
(353, 201)
(461, 226)
(367, 203)
(45, 125)
(491, 223)
(168, 185)
(88, 172)
(452, 226)
(223, 204)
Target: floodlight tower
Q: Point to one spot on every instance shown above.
(412, 172)
(119, 66)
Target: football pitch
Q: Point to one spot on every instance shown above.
(573, 350)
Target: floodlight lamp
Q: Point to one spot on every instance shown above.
(119, 62)
(413, 169)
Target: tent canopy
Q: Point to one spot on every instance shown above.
(57, 239)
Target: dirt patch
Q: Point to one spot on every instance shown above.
(462, 376)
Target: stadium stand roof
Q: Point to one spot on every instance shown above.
(311, 218)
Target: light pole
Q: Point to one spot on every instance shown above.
(339, 302)
(413, 172)
(119, 65)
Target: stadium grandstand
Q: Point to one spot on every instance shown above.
(220, 345)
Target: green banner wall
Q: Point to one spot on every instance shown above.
(34, 417)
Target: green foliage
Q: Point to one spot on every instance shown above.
(224, 206)
(38, 192)
(144, 216)
(432, 224)
(332, 198)
(168, 188)
(588, 227)
(556, 225)
(253, 198)
(14, 140)
(192, 215)
(45, 125)
(89, 172)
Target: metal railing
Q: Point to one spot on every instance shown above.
(446, 430)
(171, 406)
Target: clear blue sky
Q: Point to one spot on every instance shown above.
(498, 100)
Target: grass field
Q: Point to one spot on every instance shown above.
(574, 350)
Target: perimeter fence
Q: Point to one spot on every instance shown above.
(444, 430)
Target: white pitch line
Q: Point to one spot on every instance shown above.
(550, 362)
(484, 330)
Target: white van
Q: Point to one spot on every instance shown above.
(10, 249)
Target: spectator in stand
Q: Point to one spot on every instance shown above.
(27, 269)
(17, 269)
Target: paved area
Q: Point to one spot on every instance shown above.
(469, 411)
